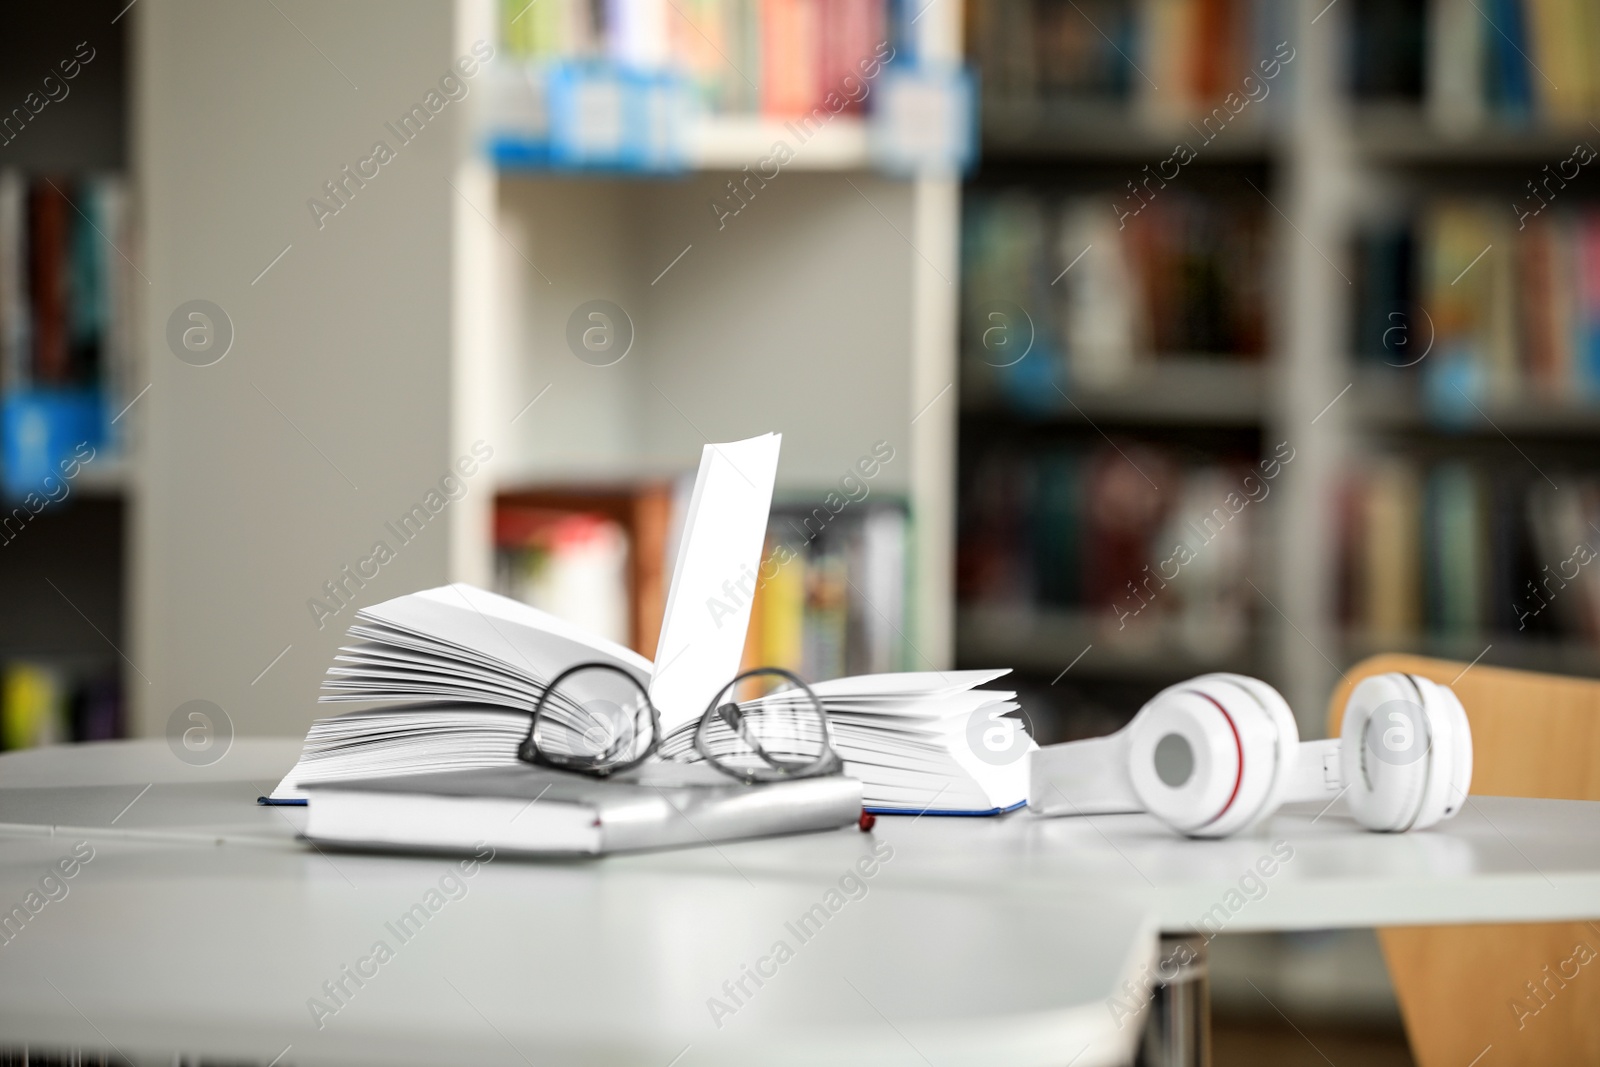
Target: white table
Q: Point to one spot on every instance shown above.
(201, 926)
(1501, 860)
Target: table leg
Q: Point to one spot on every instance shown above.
(1177, 1031)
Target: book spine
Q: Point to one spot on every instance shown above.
(47, 245)
(16, 331)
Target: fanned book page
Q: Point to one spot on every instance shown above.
(465, 645)
(459, 670)
(919, 742)
(922, 742)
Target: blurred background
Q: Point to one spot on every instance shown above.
(1111, 340)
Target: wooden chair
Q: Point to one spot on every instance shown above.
(1534, 735)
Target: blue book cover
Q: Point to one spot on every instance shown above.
(1509, 75)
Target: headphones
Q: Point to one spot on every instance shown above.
(1219, 753)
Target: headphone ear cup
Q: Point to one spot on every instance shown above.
(1204, 756)
(1391, 744)
(1449, 757)
(1461, 756)
(1286, 731)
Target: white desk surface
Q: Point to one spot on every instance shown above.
(168, 941)
(1502, 859)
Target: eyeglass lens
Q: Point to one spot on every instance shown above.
(763, 723)
(594, 717)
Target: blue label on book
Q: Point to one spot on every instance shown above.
(1454, 388)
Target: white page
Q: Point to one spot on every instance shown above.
(906, 683)
(719, 559)
(530, 642)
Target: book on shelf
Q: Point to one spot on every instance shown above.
(1082, 290)
(835, 603)
(597, 555)
(1383, 561)
(570, 564)
(65, 341)
(1452, 549)
(1472, 65)
(447, 677)
(831, 598)
(44, 704)
(1504, 308)
(1386, 50)
(615, 84)
(1107, 52)
(1134, 537)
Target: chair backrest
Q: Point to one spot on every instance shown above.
(1465, 989)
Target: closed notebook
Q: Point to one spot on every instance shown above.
(537, 811)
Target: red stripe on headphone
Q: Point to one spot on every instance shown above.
(1239, 745)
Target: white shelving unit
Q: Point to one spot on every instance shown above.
(432, 310)
(725, 142)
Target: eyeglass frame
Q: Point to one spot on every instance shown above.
(828, 760)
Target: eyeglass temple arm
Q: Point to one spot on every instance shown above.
(734, 716)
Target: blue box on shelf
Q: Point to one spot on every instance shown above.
(41, 431)
(594, 115)
(925, 119)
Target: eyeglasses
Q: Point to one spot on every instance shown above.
(764, 726)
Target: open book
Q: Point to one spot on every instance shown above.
(448, 676)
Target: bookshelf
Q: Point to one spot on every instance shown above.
(1035, 641)
(1392, 403)
(1170, 390)
(1401, 135)
(1503, 480)
(730, 142)
(1365, 131)
(64, 346)
(1100, 131)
